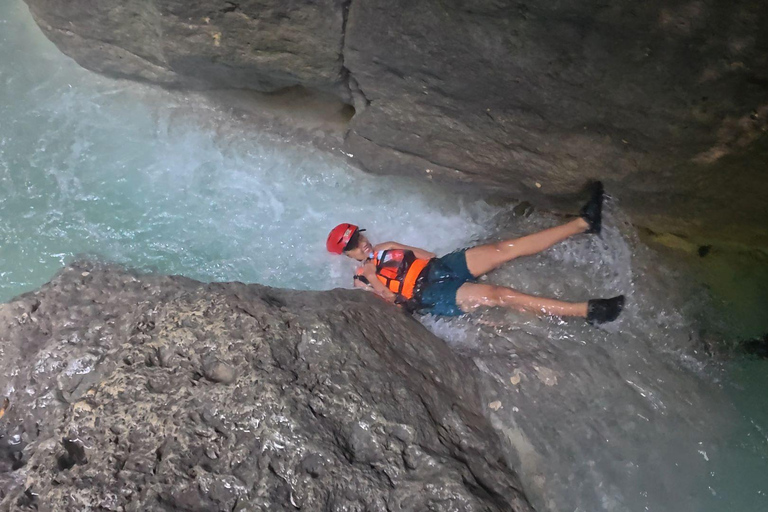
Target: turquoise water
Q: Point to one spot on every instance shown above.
(742, 479)
(169, 182)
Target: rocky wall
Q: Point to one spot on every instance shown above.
(667, 102)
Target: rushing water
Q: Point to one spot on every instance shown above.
(624, 418)
(611, 419)
(158, 181)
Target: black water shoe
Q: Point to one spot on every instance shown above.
(592, 212)
(600, 311)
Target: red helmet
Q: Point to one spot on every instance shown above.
(339, 237)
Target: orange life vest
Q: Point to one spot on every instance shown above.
(398, 270)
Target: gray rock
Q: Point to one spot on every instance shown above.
(216, 371)
(337, 404)
(248, 44)
(667, 103)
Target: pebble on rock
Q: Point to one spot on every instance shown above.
(219, 372)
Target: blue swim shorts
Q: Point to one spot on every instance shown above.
(444, 278)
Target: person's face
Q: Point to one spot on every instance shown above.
(359, 248)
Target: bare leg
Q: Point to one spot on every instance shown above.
(484, 258)
(472, 296)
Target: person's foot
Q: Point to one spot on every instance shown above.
(592, 212)
(600, 311)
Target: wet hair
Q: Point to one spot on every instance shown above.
(354, 241)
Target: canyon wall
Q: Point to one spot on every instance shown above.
(667, 102)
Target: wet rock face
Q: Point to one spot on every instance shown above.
(260, 45)
(665, 101)
(160, 393)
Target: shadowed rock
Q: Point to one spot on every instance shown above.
(757, 347)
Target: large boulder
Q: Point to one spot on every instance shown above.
(262, 45)
(143, 393)
(665, 101)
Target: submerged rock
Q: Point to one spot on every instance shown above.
(131, 392)
(757, 347)
(668, 104)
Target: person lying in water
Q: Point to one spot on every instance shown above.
(447, 286)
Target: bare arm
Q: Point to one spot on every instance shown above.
(419, 253)
(369, 272)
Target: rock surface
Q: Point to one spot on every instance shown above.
(131, 392)
(255, 44)
(665, 101)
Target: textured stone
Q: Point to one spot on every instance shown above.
(334, 402)
(667, 103)
(261, 45)
(216, 371)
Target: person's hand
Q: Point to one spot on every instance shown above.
(389, 297)
(359, 280)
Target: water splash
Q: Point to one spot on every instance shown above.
(614, 418)
(164, 182)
